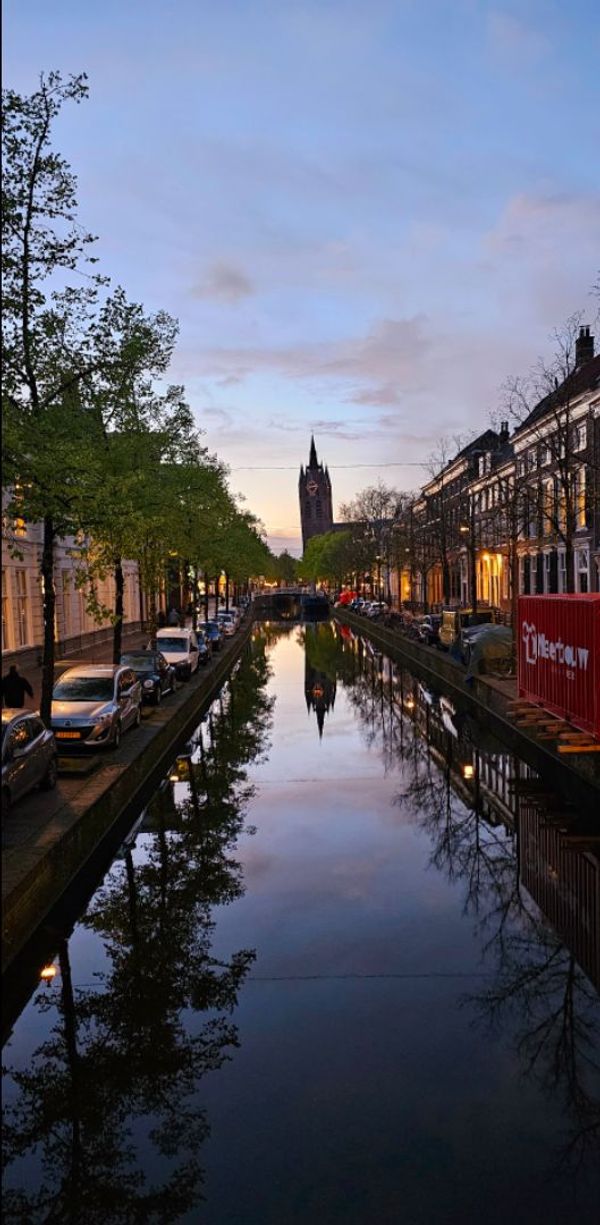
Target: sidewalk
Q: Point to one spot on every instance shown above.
(100, 653)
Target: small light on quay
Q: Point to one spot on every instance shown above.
(468, 771)
(47, 973)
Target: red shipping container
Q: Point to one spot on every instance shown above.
(559, 655)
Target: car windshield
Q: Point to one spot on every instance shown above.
(84, 689)
(140, 663)
(173, 644)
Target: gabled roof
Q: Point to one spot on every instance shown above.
(584, 378)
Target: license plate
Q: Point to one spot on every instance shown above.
(68, 735)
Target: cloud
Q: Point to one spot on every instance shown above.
(224, 283)
(378, 368)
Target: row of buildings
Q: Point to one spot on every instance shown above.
(514, 512)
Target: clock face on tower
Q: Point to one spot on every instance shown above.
(312, 488)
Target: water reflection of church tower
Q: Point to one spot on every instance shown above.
(319, 691)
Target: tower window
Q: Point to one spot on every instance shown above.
(318, 508)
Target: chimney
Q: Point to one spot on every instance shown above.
(504, 432)
(584, 347)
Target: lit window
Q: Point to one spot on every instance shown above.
(21, 609)
(580, 500)
(6, 639)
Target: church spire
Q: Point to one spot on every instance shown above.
(312, 460)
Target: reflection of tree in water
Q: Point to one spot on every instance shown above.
(112, 1094)
(537, 984)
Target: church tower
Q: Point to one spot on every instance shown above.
(314, 493)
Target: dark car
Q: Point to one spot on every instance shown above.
(214, 634)
(154, 673)
(28, 754)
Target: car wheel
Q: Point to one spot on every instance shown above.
(5, 800)
(50, 777)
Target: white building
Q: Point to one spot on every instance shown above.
(22, 613)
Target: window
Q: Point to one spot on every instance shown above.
(66, 600)
(319, 511)
(21, 609)
(19, 736)
(582, 569)
(521, 467)
(562, 571)
(580, 501)
(532, 459)
(581, 436)
(549, 507)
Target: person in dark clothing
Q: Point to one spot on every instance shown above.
(14, 687)
(173, 618)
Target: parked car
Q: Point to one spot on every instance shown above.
(180, 648)
(227, 623)
(214, 634)
(28, 755)
(204, 648)
(93, 704)
(154, 673)
(377, 608)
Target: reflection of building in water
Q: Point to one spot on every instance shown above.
(319, 691)
(562, 878)
(565, 884)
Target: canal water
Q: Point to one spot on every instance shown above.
(344, 969)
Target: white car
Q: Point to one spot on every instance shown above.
(93, 704)
(180, 648)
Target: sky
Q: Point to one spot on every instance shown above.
(366, 214)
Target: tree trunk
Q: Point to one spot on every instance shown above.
(205, 596)
(152, 613)
(118, 625)
(226, 592)
(195, 601)
(47, 570)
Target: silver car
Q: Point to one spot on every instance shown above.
(227, 624)
(93, 704)
(28, 754)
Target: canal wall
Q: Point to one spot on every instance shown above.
(36, 874)
(490, 702)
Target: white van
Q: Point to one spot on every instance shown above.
(180, 648)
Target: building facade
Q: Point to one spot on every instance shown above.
(513, 514)
(22, 604)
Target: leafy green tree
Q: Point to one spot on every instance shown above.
(47, 351)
